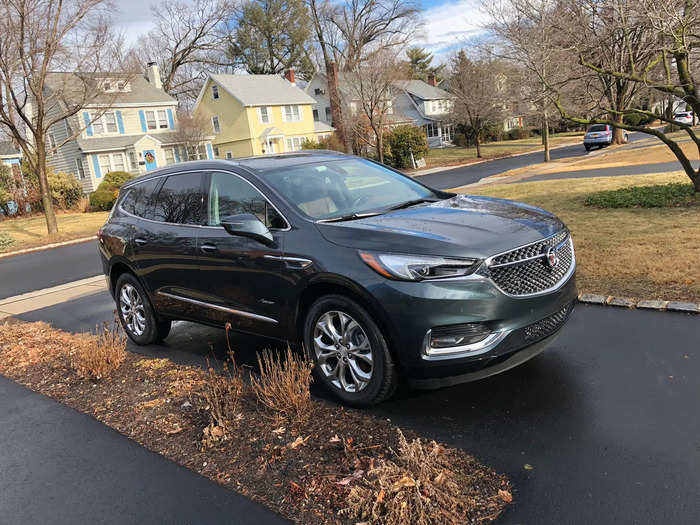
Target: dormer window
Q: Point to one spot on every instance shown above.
(107, 86)
(112, 86)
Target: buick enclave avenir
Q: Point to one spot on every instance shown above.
(374, 273)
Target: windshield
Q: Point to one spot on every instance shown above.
(598, 127)
(339, 188)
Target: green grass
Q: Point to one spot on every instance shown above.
(657, 196)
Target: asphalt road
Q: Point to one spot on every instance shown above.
(61, 467)
(607, 417)
(659, 167)
(38, 270)
(456, 177)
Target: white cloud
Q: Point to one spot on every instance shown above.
(448, 26)
(133, 18)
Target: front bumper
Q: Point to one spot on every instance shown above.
(415, 308)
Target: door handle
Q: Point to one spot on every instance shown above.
(208, 248)
(140, 242)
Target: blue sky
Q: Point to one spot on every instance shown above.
(448, 23)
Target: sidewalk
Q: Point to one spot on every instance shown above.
(62, 467)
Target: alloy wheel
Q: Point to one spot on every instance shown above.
(132, 309)
(343, 351)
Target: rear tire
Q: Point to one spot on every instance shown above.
(136, 312)
(350, 354)
(588, 148)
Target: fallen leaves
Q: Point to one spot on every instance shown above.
(505, 495)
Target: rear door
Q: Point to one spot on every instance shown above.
(165, 244)
(246, 282)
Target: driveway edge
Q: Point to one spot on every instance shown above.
(642, 304)
(47, 246)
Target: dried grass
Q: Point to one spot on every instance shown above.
(102, 354)
(283, 384)
(417, 486)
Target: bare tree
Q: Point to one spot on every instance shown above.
(193, 132)
(37, 36)
(188, 40)
(372, 92)
(481, 89)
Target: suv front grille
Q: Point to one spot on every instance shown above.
(548, 325)
(526, 270)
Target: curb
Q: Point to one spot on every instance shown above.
(47, 247)
(644, 304)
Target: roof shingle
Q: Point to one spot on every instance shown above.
(262, 90)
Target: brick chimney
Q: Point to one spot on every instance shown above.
(289, 75)
(431, 79)
(153, 75)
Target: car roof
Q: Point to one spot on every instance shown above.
(259, 164)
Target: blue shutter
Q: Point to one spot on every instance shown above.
(171, 120)
(96, 166)
(142, 116)
(88, 126)
(120, 122)
(210, 151)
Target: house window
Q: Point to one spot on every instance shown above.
(110, 122)
(229, 155)
(315, 115)
(318, 91)
(97, 126)
(162, 119)
(132, 160)
(151, 120)
(80, 168)
(105, 123)
(264, 115)
(431, 130)
(121, 86)
(292, 114)
(107, 86)
(294, 143)
(169, 156)
(52, 144)
(215, 124)
(328, 114)
(215, 92)
(111, 162)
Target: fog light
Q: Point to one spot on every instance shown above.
(444, 341)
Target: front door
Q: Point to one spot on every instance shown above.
(149, 156)
(247, 282)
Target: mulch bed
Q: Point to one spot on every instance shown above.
(303, 470)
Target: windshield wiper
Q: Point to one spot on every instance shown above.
(408, 204)
(350, 217)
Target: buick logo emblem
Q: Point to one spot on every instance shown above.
(552, 257)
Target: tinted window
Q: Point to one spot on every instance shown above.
(232, 195)
(139, 200)
(598, 127)
(180, 200)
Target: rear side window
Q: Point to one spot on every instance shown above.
(231, 195)
(139, 199)
(179, 200)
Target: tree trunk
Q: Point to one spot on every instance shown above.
(618, 133)
(49, 214)
(380, 144)
(545, 137)
(478, 145)
(336, 110)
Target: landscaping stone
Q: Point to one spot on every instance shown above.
(592, 298)
(621, 301)
(677, 306)
(652, 304)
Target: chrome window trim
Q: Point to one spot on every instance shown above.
(303, 263)
(220, 308)
(129, 188)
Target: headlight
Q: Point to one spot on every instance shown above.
(418, 267)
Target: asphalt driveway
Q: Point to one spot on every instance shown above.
(606, 420)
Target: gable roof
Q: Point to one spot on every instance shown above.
(423, 90)
(72, 86)
(260, 90)
(7, 149)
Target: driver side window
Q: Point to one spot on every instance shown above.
(232, 195)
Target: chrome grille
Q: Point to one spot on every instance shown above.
(548, 325)
(525, 271)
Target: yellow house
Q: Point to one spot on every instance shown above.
(257, 115)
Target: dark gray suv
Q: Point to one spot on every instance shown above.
(376, 274)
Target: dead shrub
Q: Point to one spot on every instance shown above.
(220, 396)
(83, 205)
(98, 356)
(283, 384)
(417, 486)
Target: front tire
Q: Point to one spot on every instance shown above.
(350, 354)
(136, 312)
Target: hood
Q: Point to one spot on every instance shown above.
(462, 226)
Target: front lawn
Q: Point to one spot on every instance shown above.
(634, 252)
(29, 232)
(455, 156)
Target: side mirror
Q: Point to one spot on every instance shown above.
(248, 225)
